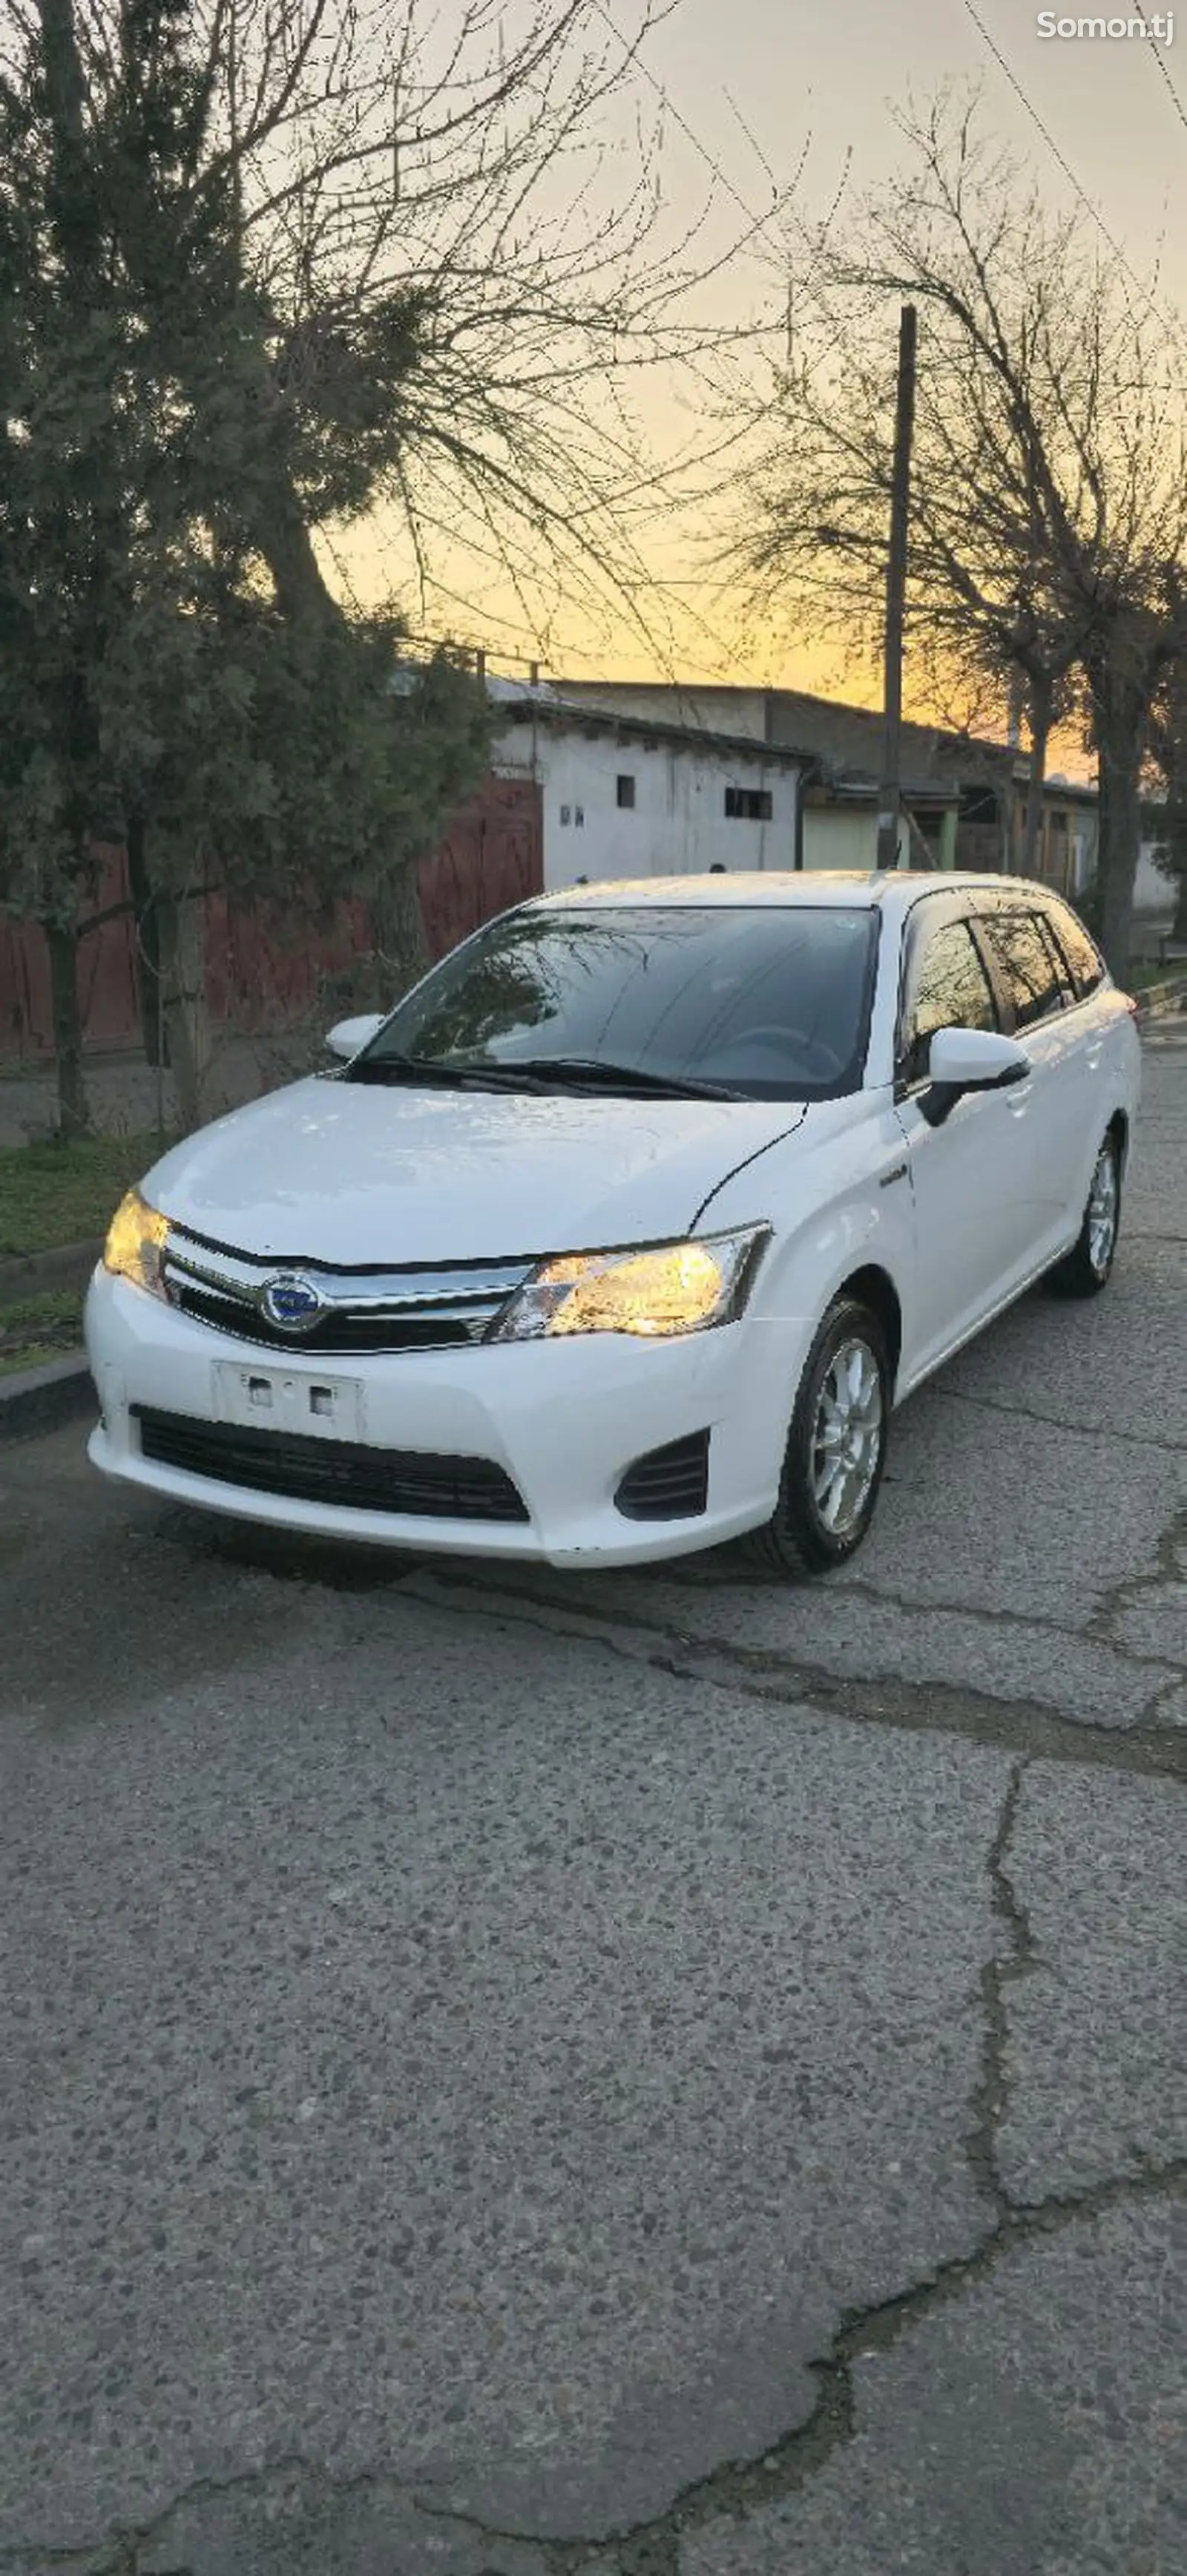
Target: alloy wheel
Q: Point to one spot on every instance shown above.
(1102, 1210)
(847, 1436)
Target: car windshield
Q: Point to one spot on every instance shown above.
(762, 1001)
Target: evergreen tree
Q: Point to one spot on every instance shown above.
(155, 686)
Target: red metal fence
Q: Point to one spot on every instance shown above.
(264, 967)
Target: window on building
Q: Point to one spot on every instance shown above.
(1035, 975)
(626, 793)
(749, 805)
(951, 991)
(978, 805)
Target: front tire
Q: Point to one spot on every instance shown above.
(1084, 1271)
(836, 1447)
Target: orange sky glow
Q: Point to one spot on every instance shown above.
(770, 87)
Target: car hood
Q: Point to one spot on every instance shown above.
(351, 1174)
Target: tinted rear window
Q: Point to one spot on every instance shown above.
(1082, 954)
(1034, 973)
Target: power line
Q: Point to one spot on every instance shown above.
(757, 223)
(1098, 219)
(1160, 59)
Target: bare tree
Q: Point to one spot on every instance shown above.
(1049, 486)
(1166, 820)
(350, 259)
(453, 269)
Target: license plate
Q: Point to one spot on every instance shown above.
(269, 1399)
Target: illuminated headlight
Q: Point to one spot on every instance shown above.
(135, 1242)
(670, 1288)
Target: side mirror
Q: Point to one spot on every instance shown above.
(963, 1060)
(349, 1036)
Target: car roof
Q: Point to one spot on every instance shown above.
(887, 889)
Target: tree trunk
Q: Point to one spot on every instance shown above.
(1179, 924)
(73, 1112)
(1121, 708)
(281, 532)
(1005, 804)
(148, 946)
(1174, 862)
(402, 954)
(181, 928)
(1120, 840)
(1040, 735)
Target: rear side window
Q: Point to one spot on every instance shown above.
(1036, 979)
(1082, 954)
(950, 991)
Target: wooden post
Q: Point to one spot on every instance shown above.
(890, 798)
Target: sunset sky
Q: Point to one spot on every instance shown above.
(765, 79)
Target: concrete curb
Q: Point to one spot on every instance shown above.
(68, 1265)
(1162, 1001)
(42, 1399)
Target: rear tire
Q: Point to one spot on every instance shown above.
(1084, 1271)
(836, 1448)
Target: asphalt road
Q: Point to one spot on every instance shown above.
(651, 2076)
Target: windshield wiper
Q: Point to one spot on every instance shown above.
(613, 1077)
(537, 1073)
(455, 1077)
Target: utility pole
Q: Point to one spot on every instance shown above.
(890, 797)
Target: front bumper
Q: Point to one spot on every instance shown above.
(563, 1419)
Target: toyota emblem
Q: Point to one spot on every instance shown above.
(291, 1302)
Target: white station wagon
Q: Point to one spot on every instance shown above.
(626, 1231)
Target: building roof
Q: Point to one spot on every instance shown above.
(846, 740)
(851, 735)
(860, 787)
(573, 715)
(837, 745)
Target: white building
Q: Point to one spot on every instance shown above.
(631, 796)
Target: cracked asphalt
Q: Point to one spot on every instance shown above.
(653, 2075)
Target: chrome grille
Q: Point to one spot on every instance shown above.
(445, 1308)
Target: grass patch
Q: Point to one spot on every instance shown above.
(52, 1193)
(39, 1328)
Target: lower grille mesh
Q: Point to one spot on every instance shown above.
(668, 1484)
(331, 1471)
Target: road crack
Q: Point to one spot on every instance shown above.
(1170, 1570)
(1096, 1431)
(1015, 1958)
(733, 2489)
(1027, 1727)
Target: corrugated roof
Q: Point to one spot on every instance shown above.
(574, 715)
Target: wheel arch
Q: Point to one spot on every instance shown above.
(875, 1288)
(1118, 1128)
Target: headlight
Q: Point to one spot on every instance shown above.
(135, 1242)
(671, 1288)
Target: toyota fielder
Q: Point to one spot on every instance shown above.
(627, 1230)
